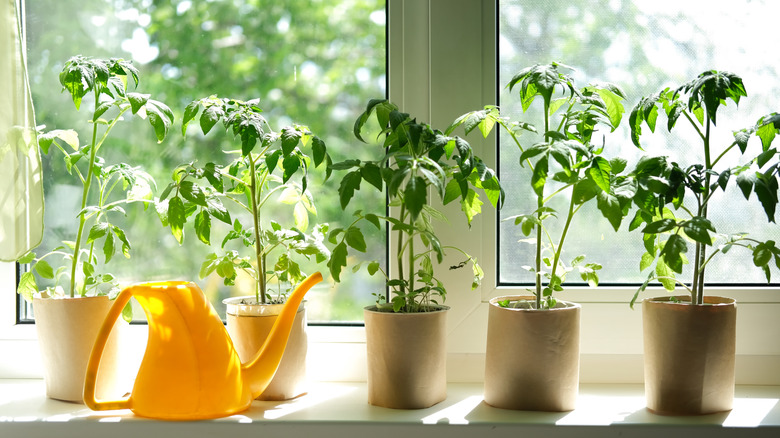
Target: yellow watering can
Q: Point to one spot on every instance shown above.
(190, 370)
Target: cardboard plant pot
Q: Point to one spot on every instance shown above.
(689, 354)
(67, 329)
(532, 360)
(249, 324)
(407, 358)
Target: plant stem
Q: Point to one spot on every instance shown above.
(411, 265)
(259, 255)
(703, 256)
(565, 231)
(84, 196)
(399, 251)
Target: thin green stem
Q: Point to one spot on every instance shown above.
(411, 264)
(84, 197)
(399, 250)
(725, 151)
(559, 250)
(259, 256)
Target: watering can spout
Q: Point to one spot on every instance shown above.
(261, 369)
(190, 369)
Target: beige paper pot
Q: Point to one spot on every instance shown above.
(407, 358)
(67, 328)
(532, 360)
(689, 355)
(249, 326)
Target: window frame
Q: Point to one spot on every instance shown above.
(434, 48)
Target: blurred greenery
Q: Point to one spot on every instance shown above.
(310, 62)
(642, 47)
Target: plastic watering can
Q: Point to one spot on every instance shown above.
(190, 369)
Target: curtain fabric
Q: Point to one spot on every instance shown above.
(21, 183)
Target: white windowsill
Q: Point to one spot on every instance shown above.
(340, 409)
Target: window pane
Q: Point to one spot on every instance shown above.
(313, 63)
(642, 47)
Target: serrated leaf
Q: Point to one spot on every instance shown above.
(660, 226)
(177, 217)
(355, 239)
(415, 196)
(44, 269)
(203, 227)
(698, 229)
(338, 260)
(108, 247)
(600, 171)
(27, 287)
(349, 184)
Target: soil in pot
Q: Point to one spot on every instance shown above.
(249, 325)
(690, 353)
(532, 358)
(407, 358)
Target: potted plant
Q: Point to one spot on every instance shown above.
(270, 169)
(406, 329)
(532, 356)
(70, 308)
(689, 340)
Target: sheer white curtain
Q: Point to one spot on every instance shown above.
(21, 185)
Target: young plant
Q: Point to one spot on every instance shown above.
(269, 166)
(105, 81)
(415, 160)
(565, 163)
(664, 183)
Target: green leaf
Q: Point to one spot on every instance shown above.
(745, 182)
(471, 205)
(698, 229)
(338, 260)
(291, 164)
(610, 208)
(210, 117)
(539, 176)
(354, 238)
(372, 268)
(44, 269)
(673, 251)
(137, 101)
(27, 286)
(290, 139)
(372, 174)
(762, 254)
(662, 270)
(177, 217)
(193, 193)
(27, 258)
(614, 106)
(97, 231)
(646, 261)
(415, 196)
(120, 234)
(660, 226)
(127, 312)
(319, 151)
(203, 227)
(189, 113)
(108, 247)
(160, 117)
(600, 171)
(374, 219)
(349, 184)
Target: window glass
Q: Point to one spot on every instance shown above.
(642, 47)
(314, 63)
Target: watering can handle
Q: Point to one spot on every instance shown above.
(97, 353)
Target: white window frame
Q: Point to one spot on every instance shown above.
(435, 49)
